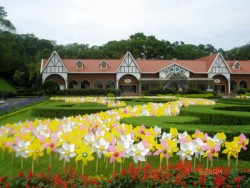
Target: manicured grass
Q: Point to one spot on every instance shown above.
(19, 117)
(183, 123)
(5, 86)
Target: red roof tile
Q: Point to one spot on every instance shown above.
(209, 60)
(153, 66)
(244, 66)
(90, 65)
(200, 65)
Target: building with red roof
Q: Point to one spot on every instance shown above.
(133, 77)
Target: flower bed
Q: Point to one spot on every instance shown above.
(92, 137)
(14, 106)
(178, 175)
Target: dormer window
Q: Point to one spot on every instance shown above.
(103, 65)
(237, 65)
(79, 65)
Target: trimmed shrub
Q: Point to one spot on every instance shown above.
(209, 115)
(50, 87)
(64, 111)
(87, 92)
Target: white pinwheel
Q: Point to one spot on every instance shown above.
(101, 146)
(21, 148)
(138, 152)
(199, 145)
(157, 131)
(186, 150)
(66, 151)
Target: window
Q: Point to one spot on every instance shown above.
(103, 65)
(85, 84)
(73, 84)
(98, 84)
(110, 84)
(243, 84)
(79, 65)
(237, 66)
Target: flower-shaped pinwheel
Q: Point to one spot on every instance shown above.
(198, 145)
(211, 149)
(184, 137)
(66, 151)
(232, 149)
(186, 150)
(35, 149)
(101, 146)
(242, 141)
(21, 148)
(84, 153)
(162, 149)
(138, 152)
(116, 153)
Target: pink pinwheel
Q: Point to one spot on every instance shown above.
(162, 150)
(242, 141)
(116, 153)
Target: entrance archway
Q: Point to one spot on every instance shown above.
(128, 85)
(58, 79)
(220, 84)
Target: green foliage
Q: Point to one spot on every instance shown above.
(204, 95)
(60, 109)
(6, 87)
(180, 174)
(234, 101)
(5, 24)
(86, 92)
(217, 115)
(110, 95)
(50, 87)
(157, 91)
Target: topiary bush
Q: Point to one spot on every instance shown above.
(50, 87)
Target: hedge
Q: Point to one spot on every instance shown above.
(61, 109)
(64, 112)
(234, 101)
(146, 100)
(87, 92)
(217, 115)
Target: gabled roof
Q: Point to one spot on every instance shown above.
(154, 66)
(90, 65)
(244, 66)
(201, 65)
(208, 60)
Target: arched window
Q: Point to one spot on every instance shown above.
(73, 84)
(233, 86)
(85, 84)
(243, 84)
(98, 84)
(110, 84)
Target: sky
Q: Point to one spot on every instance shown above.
(223, 23)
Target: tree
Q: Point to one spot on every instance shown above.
(5, 25)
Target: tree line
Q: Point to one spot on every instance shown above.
(21, 54)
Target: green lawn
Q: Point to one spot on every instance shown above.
(6, 87)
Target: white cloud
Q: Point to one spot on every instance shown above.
(222, 23)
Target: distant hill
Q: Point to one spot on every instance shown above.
(6, 87)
